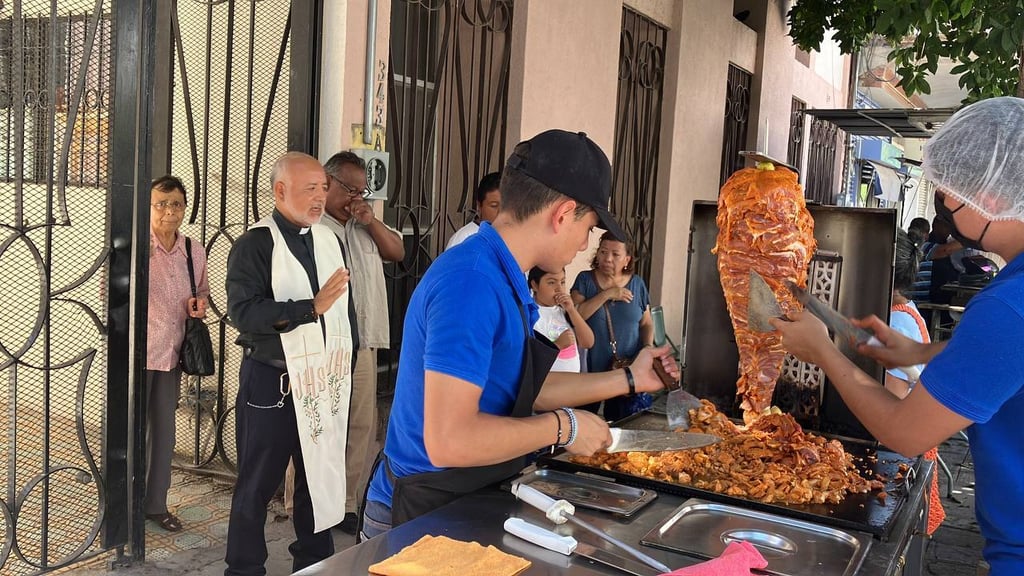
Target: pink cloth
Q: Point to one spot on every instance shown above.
(169, 292)
(737, 560)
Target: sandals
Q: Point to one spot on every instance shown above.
(167, 521)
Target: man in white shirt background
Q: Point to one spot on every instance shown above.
(369, 243)
(488, 203)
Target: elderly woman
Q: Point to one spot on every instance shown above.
(170, 303)
(975, 380)
(616, 305)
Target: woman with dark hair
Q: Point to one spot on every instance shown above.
(616, 305)
(170, 303)
(905, 319)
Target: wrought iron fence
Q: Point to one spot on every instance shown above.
(638, 131)
(228, 123)
(56, 64)
(737, 115)
(447, 116)
(821, 162)
(795, 153)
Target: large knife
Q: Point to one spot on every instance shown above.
(658, 441)
(567, 545)
(842, 326)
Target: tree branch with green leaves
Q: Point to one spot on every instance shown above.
(984, 37)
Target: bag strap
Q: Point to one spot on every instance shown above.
(191, 270)
(611, 331)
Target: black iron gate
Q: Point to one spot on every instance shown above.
(64, 346)
(228, 119)
(821, 162)
(638, 132)
(447, 110)
(737, 116)
(795, 149)
(87, 115)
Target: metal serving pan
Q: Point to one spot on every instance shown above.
(791, 547)
(861, 512)
(589, 492)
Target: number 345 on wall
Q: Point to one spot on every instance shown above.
(380, 94)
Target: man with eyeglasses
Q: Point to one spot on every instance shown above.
(369, 243)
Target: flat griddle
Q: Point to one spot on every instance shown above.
(863, 512)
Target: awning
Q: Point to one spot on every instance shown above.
(897, 122)
(890, 182)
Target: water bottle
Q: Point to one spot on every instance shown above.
(658, 316)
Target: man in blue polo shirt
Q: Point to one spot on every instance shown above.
(473, 394)
(973, 381)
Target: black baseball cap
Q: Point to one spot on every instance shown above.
(571, 164)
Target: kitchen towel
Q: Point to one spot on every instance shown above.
(738, 559)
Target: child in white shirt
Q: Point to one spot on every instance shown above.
(559, 320)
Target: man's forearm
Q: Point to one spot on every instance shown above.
(490, 439)
(388, 243)
(874, 406)
(570, 389)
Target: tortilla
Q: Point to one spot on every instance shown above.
(443, 556)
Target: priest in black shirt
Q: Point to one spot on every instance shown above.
(278, 308)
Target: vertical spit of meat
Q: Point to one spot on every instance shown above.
(763, 225)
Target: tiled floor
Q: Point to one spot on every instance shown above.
(203, 505)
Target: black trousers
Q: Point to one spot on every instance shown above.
(266, 437)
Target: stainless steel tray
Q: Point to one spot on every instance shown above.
(791, 547)
(589, 492)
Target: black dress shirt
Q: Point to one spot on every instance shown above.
(252, 309)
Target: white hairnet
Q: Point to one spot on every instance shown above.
(977, 157)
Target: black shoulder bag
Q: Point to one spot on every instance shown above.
(197, 350)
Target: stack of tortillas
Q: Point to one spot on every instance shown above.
(442, 556)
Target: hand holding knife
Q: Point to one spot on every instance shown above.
(842, 326)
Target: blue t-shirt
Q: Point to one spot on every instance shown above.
(980, 376)
(625, 320)
(464, 320)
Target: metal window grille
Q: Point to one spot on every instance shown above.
(737, 115)
(447, 117)
(638, 132)
(821, 158)
(794, 155)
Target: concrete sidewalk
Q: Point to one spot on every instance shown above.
(955, 549)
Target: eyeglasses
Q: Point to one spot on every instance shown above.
(364, 193)
(174, 205)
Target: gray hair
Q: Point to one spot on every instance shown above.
(282, 163)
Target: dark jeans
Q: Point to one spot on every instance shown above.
(376, 520)
(266, 437)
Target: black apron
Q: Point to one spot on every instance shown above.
(417, 494)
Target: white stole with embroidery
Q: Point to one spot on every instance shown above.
(319, 371)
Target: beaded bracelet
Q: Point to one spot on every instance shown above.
(630, 381)
(573, 428)
(558, 440)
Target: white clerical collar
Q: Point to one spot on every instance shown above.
(304, 230)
